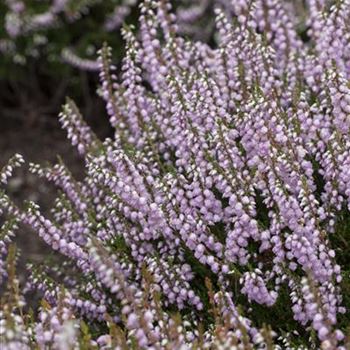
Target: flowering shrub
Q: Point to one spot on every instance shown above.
(213, 218)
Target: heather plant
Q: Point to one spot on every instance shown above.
(218, 215)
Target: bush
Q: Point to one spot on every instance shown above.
(215, 217)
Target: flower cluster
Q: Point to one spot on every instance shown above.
(10, 224)
(218, 198)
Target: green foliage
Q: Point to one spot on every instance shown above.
(36, 55)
